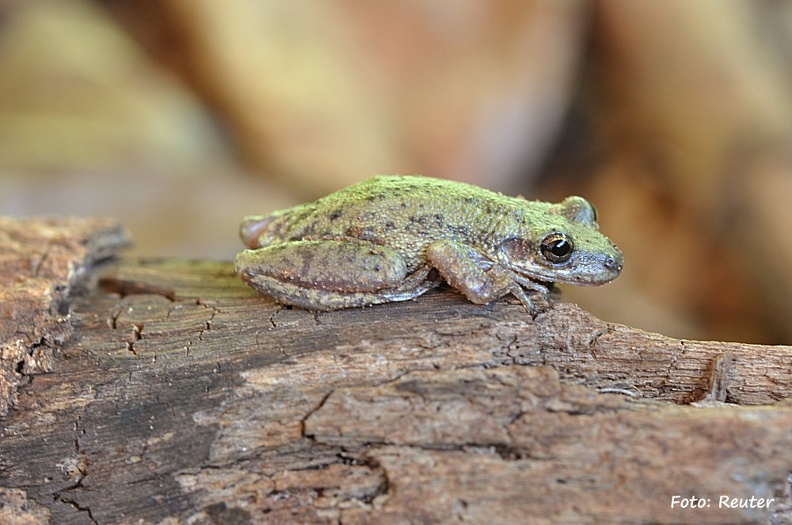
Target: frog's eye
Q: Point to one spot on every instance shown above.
(556, 248)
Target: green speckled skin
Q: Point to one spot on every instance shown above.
(392, 238)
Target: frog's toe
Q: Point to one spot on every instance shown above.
(534, 302)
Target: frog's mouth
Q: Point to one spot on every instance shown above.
(548, 278)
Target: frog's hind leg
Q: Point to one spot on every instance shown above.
(332, 274)
(415, 284)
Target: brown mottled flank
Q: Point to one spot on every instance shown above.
(392, 238)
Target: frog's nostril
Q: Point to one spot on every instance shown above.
(614, 264)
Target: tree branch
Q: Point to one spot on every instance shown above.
(177, 392)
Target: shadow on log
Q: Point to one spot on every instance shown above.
(178, 395)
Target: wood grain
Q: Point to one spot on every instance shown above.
(181, 396)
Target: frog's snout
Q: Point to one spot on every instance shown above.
(612, 265)
(244, 265)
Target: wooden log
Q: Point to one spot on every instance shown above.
(178, 395)
(42, 260)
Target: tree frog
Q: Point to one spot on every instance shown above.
(392, 238)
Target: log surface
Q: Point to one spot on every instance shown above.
(178, 395)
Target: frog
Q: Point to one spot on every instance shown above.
(394, 237)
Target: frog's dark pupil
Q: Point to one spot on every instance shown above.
(560, 248)
(556, 248)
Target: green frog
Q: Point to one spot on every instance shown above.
(392, 238)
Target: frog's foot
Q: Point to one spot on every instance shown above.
(332, 274)
(535, 296)
(417, 283)
(534, 302)
(483, 280)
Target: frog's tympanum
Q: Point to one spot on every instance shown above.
(392, 238)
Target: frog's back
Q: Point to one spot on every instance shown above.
(399, 189)
(386, 202)
(403, 212)
(407, 194)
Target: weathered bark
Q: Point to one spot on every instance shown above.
(182, 396)
(41, 261)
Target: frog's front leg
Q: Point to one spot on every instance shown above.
(331, 274)
(480, 278)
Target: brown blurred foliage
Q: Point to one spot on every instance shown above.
(179, 117)
(693, 105)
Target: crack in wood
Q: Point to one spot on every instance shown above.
(208, 323)
(76, 468)
(271, 319)
(125, 287)
(72, 502)
(719, 380)
(137, 335)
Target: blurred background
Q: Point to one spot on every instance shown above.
(673, 117)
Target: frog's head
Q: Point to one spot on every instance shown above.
(565, 246)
